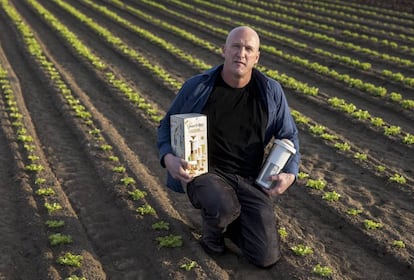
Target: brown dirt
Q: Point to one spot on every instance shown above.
(114, 240)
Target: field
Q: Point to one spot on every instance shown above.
(84, 83)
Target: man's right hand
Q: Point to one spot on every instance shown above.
(177, 167)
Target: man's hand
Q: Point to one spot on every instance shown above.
(176, 166)
(283, 182)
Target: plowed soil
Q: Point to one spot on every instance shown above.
(113, 238)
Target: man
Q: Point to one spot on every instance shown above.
(244, 109)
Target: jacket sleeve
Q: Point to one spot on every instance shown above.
(284, 126)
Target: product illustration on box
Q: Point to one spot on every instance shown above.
(189, 141)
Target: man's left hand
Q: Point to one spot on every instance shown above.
(283, 182)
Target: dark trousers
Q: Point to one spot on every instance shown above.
(232, 206)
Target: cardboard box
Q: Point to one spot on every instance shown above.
(189, 140)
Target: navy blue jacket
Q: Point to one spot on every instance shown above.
(193, 96)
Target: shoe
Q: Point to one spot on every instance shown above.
(214, 249)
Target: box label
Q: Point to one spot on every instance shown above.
(189, 140)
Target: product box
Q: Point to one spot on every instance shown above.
(189, 140)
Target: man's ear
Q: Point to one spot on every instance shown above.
(223, 50)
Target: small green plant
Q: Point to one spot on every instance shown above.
(34, 167)
(354, 211)
(106, 147)
(318, 184)
(408, 139)
(170, 241)
(146, 209)
(398, 243)
(302, 175)
(119, 169)
(282, 232)
(380, 168)
(360, 156)
(33, 157)
(343, 146)
(328, 136)
(58, 238)
(55, 223)
(137, 194)
(378, 122)
(127, 181)
(188, 266)
(113, 158)
(161, 225)
(392, 130)
(40, 181)
(302, 250)
(52, 207)
(397, 178)
(317, 129)
(331, 196)
(70, 259)
(370, 224)
(45, 191)
(322, 270)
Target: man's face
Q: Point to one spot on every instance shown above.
(241, 52)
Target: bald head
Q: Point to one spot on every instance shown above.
(241, 53)
(248, 31)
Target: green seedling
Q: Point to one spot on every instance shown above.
(161, 225)
(70, 259)
(282, 232)
(146, 209)
(55, 223)
(188, 266)
(397, 178)
(302, 250)
(408, 139)
(106, 147)
(331, 196)
(392, 130)
(318, 184)
(317, 129)
(58, 239)
(29, 147)
(33, 157)
(34, 167)
(360, 156)
(40, 181)
(113, 158)
(343, 146)
(302, 175)
(45, 191)
(380, 168)
(137, 194)
(378, 122)
(52, 207)
(322, 270)
(353, 211)
(170, 241)
(370, 224)
(399, 244)
(127, 181)
(119, 169)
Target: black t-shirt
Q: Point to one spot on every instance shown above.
(236, 120)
